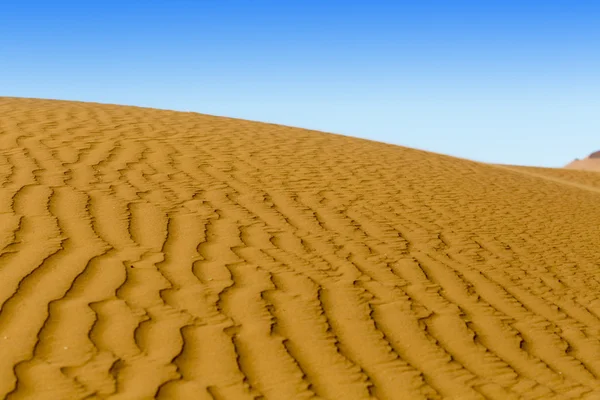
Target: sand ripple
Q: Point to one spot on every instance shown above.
(148, 253)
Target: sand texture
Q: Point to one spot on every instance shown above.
(149, 253)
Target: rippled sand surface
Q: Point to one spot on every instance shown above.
(149, 253)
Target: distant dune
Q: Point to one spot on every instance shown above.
(158, 254)
(590, 163)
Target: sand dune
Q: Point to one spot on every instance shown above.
(150, 253)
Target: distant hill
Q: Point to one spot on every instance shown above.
(591, 163)
(595, 154)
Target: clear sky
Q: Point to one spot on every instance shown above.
(514, 82)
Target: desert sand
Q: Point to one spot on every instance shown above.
(158, 254)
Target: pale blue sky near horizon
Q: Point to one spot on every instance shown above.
(513, 82)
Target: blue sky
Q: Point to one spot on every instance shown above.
(514, 82)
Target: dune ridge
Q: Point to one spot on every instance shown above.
(158, 254)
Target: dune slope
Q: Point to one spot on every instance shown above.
(149, 253)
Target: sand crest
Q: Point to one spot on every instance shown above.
(156, 254)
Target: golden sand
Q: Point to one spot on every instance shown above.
(149, 253)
